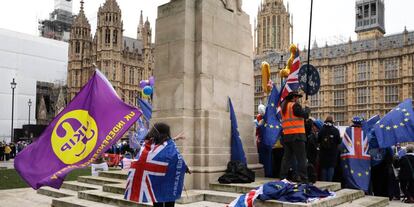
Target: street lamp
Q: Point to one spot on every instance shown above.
(13, 85)
(30, 105)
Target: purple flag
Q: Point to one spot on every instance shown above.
(94, 120)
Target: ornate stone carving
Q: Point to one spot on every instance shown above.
(233, 5)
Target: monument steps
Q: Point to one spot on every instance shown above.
(115, 174)
(367, 201)
(108, 188)
(99, 180)
(76, 202)
(79, 186)
(55, 193)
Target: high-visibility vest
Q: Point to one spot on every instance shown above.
(292, 124)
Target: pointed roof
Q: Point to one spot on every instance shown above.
(141, 20)
(110, 6)
(81, 20)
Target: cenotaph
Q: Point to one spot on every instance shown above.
(203, 55)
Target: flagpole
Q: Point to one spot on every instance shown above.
(309, 42)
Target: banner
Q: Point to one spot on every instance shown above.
(93, 121)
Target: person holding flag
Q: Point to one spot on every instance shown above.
(158, 174)
(355, 160)
(293, 139)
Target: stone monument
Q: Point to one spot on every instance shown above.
(203, 55)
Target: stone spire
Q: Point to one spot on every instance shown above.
(140, 26)
(42, 112)
(60, 103)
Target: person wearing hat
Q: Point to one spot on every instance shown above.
(294, 137)
(329, 140)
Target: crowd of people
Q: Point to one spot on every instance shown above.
(310, 151)
(9, 151)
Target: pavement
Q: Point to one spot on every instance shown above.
(23, 197)
(29, 197)
(7, 164)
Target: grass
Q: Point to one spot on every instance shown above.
(10, 179)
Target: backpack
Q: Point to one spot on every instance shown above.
(327, 141)
(237, 172)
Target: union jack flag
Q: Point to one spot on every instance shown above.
(292, 81)
(355, 158)
(157, 175)
(247, 200)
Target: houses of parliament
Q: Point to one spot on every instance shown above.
(368, 76)
(124, 60)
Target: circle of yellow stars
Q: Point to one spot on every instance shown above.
(396, 126)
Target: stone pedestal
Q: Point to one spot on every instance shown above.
(203, 55)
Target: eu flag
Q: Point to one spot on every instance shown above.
(271, 128)
(269, 131)
(146, 109)
(396, 126)
(237, 152)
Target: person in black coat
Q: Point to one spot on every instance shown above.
(406, 175)
(329, 141)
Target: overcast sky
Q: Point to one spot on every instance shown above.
(333, 19)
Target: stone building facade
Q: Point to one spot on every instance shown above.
(365, 77)
(273, 30)
(124, 60)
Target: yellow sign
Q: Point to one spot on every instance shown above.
(74, 136)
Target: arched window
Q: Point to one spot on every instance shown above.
(115, 40)
(107, 36)
(77, 47)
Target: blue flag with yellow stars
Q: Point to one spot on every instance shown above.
(355, 159)
(272, 127)
(237, 152)
(396, 126)
(270, 131)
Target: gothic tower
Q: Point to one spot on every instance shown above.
(140, 27)
(80, 54)
(369, 20)
(273, 29)
(147, 50)
(109, 42)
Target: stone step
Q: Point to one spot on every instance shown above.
(98, 180)
(217, 196)
(367, 201)
(79, 186)
(108, 198)
(246, 187)
(115, 174)
(56, 193)
(342, 196)
(201, 204)
(76, 202)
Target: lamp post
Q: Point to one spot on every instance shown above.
(30, 106)
(13, 85)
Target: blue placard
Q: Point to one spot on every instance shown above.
(312, 86)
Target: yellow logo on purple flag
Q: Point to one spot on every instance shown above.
(74, 136)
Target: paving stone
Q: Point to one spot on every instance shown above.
(108, 198)
(116, 174)
(98, 180)
(246, 187)
(56, 193)
(342, 196)
(367, 201)
(76, 202)
(79, 186)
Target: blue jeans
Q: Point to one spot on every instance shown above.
(327, 174)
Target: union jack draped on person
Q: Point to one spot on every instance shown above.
(355, 159)
(157, 175)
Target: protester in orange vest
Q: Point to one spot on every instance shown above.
(294, 138)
